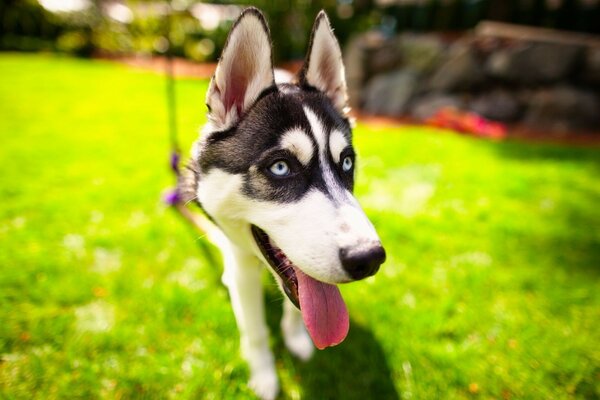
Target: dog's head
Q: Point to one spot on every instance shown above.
(277, 161)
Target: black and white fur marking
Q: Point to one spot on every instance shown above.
(274, 170)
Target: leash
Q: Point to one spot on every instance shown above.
(173, 197)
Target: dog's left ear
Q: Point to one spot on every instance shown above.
(323, 68)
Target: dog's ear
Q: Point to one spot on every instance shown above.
(323, 68)
(245, 69)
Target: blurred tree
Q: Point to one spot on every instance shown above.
(140, 26)
(27, 26)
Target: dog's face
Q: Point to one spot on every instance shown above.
(275, 165)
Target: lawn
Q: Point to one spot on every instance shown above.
(491, 288)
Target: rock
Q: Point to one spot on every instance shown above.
(460, 71)
(426, 106)
(354, 62)
(534, 62)
(498, 105)
(421, 53)
(564, 108)
(590, 73)
(384, 58)
(390, 94)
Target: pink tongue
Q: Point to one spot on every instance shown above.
(323, 310)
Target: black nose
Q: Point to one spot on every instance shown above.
(362, 261)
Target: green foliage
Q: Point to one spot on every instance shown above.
(490, 289)
(28, 26)
(144, 25)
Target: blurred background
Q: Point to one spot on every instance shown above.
(404, 58)
(478, 134)
(198, 29)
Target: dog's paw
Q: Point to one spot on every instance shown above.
(265, 384)
(298, 342)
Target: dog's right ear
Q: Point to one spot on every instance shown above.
(323, 68)
(244, 71)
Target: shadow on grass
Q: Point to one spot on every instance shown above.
(356, 369)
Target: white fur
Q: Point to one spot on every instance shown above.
(310, 231)
(318, 129)
(337, 143)
(357, 229)
(283, 76)
(242, 277)
(295, 336)
(297, 142)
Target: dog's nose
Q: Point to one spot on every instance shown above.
(362, 262)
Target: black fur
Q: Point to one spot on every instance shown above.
(246, 148)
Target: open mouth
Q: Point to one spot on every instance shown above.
(323, 309)
(282, 265)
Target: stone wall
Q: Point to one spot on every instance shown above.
(544, 80)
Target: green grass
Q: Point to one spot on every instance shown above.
(491, 289)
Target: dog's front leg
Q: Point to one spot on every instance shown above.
(242, 277)
(294, 332)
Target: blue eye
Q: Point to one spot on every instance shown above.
(347, 164)
(279, 168)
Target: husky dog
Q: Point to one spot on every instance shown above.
(274, 172)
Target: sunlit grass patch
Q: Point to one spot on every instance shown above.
(490, 289)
